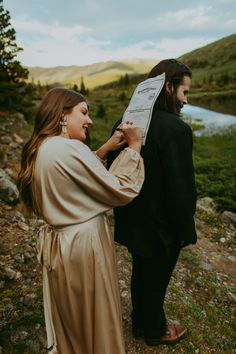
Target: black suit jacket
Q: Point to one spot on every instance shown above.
(166, 204)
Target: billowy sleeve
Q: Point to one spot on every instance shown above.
(114, 187)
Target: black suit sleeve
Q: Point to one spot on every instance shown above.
(179, 182)
(112, 155)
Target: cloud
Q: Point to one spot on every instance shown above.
(164, 48)
(53, 45)
(187, 22)
(161, 34)
(54, 31)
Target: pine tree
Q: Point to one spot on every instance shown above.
(83, 90)
(75, 88)
(101, 112)
(126, 80)
(12, 74)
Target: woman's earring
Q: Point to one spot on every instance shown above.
(63, 124)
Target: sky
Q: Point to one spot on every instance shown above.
(81, 32)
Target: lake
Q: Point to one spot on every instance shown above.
(213, 122)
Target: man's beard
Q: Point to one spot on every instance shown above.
(178, 105)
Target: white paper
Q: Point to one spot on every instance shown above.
(139, 110)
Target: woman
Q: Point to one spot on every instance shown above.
(63, 180)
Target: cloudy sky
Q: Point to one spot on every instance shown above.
(81, 32)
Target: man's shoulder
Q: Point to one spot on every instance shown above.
(169, 122)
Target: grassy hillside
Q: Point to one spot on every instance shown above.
(214, 65)
(214, 72)
(93, 75)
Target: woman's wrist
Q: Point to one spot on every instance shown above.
(102, 152)
(136, 146)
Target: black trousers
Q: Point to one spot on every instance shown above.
(149, 282)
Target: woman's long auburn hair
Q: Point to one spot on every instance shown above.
(174, 71)
(54, 105)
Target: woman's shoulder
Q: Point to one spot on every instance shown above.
(58, 142)
(57, 147)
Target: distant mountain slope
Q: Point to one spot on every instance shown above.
(215, 62)
(213, 65)
(93, 75)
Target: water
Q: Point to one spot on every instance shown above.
(210, 122)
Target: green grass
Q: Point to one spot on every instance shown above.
(203, 304)
(214, 65)
(215, 166)
(189, 256)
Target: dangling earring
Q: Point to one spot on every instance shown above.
(63, 124)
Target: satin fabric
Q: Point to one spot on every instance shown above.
(73, 190)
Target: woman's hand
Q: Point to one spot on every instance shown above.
(125, 133)
(115, 142)
(132, 135)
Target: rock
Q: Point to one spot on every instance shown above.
(17, 139)
(7, 207)
(124, 294)
(18, 275)
(37, 326)
(2, 284)
(9, 171)
(14, 145)
(232, 296)
(205, 266)
(222, 239)
(18, 336)
(33, 345)
(232, 258)
(10, 273)
(8, 190)
(6, 140)
(207, 205)
(23, 335)
(122, 284)
(228, 218)
(29, 299)
(23, 226)
(20, 117)
(19, 258)
(19, 216)
(29, 249)
(28, 256)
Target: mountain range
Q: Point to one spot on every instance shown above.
(93, 75)
(217, 59)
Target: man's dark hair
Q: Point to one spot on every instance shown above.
(174, 71)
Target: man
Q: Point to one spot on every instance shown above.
(159, 222)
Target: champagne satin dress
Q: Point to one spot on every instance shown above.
(73, 191)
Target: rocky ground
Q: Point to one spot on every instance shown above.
(201, 293)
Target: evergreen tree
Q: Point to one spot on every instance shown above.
(122, 96)
(75, 88)
(126, 80)
(83, 90)
(101, 113)
(12, 74)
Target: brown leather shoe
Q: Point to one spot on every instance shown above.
(174, 333)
